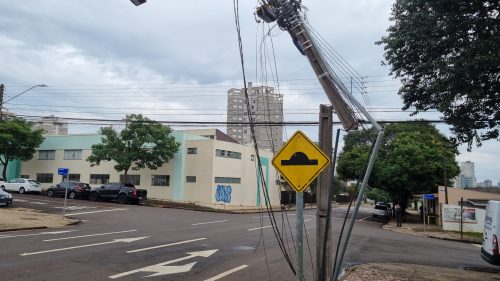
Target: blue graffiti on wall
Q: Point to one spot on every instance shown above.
(223, 193)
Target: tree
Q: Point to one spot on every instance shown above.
(143, 143)
(17, 141)
(447, 54)
(413, 159)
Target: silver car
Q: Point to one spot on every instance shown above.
(5, 198)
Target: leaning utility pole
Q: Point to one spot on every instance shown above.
(287, 14)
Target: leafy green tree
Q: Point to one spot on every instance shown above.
(18, 140)
(143, 143)
(413, 159)
(447, 55)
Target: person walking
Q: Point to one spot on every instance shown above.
(398, 214)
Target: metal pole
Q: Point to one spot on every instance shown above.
(424, 209)
(461, 218)
(299, 225)
(358, 203)
(66, 195)
(324, 233)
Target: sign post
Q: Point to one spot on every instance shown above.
(300, 161)
(424, 207)
(64, 172)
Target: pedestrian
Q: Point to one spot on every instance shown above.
(398, 214)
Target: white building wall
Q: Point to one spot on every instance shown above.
(204, 165)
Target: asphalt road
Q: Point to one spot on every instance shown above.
(129, 242)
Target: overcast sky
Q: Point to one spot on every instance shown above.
(175, 61)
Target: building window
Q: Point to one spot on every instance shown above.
(133, 179)
(74, 177)
(160, 180)
(24, 176)
(73, 154)
(44, 178)
(46, 154)
(227, 180)
(190, 178)
(227, 154)
(192, 150)
(99, 178)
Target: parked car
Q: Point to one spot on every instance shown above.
(5, 198)
(21, 185)
(381, 211)
(490, 250)
(123, 193)
(75, 189)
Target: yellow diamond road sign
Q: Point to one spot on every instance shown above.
(300, 161)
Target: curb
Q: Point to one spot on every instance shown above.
(23, 228)
(384, 226)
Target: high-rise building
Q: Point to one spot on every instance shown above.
(265, 106)
(467, 174)
(52, 125)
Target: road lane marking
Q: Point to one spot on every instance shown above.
(89, 235)
(208, 222)
(36, 203)
(364, 218)
(124, 240)
(478, 245)
(165, 245)
(99, 211)
(164, 268)
(252, 229)
(224, 274)
(36, 234)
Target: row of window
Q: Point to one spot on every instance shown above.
(218, 152)
(69, 154)
(156, 180)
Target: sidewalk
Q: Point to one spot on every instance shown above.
(12, 219)
(414, 226)
(412, 272)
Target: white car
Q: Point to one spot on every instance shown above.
(381, 211)
(21, 186)
(490, 250)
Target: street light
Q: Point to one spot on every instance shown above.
(138, 2)
(1, 96)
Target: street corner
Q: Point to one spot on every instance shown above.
(12, 219)
(412, 272)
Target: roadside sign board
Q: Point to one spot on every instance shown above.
(300, 161)
(429, 196)
(63, 171)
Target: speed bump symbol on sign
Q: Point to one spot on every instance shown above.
(299, 161)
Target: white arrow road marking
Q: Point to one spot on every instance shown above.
(200, 223)
(100, 211)
(124, 240)
(224, 274)
(89, 235)
(163, 269)
(252, 229)
(35, 234)
(166, 245)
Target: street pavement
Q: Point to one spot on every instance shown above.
(130, 242)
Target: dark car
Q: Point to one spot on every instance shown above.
(75, 189)
(121, 192)
(5, 198)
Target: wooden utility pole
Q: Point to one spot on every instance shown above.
(324, 265)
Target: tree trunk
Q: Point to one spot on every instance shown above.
(125, 172)
(4, 172)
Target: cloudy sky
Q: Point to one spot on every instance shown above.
(175, 61)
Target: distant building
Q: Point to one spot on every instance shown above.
(265, 106)
(52, 125)
(467, 175)
(487, 183)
